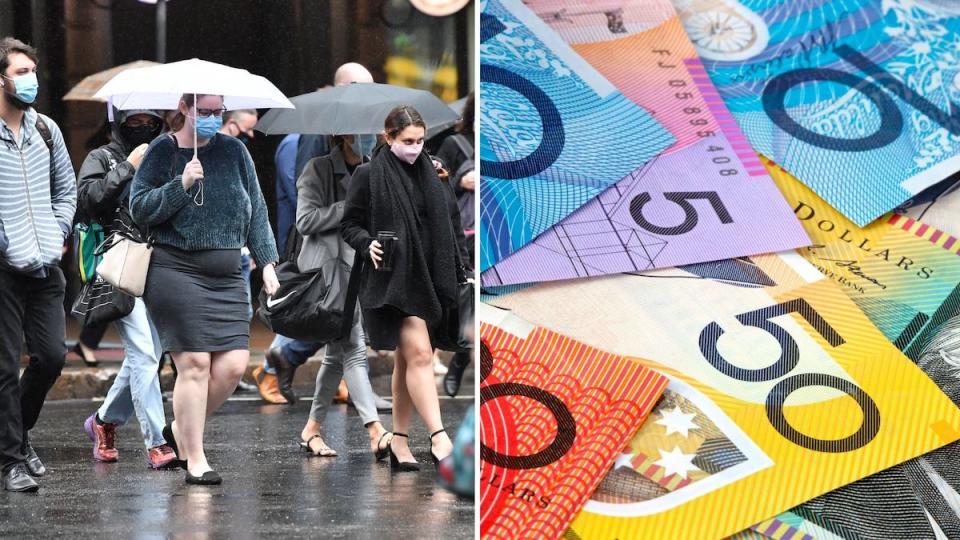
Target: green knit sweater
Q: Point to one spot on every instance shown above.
(233, 214)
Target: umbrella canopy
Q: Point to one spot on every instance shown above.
(353, 109)
(455, 106)
(91, 84)
(161, 86)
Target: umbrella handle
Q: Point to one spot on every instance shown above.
(194, 126)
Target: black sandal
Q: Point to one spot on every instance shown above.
(382, 451)
(436, 460)
(326, 451)
(396, 464)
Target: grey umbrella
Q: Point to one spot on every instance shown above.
(352, 109)
(455, 106)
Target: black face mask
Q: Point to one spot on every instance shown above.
(135, 136)
(244, 138)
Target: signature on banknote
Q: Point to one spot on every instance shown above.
(854, 268)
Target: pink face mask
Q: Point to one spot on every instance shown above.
(408, 153)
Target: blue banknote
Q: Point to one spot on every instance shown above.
(856, 98)
(554, 133)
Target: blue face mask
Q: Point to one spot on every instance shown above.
(208, 126)
(27, 87)
(363, 145)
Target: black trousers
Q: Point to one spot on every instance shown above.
(31, 309)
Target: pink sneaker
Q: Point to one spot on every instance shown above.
(161, 457)
(103, 439)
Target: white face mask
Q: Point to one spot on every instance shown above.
(406, 152)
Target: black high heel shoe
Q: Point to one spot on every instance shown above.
(382, 451)
(396, 464)
(436, 460)
(79, 352)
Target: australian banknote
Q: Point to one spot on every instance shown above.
(905, 276)
(856, 98)
(781, 390)
(702, 199)
(554, 413)
(554, 132)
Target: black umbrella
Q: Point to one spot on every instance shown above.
(352, 109)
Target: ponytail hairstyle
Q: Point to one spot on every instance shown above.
(400, 118)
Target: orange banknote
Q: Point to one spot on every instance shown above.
(554, 414)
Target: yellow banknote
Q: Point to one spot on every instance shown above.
(904, 274)
(781, 390)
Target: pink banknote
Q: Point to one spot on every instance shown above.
(707, 197)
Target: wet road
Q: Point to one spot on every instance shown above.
(271, 488)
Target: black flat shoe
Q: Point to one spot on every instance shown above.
(79, 352)
(382, 451)
(34, 466)
(19, 480)
(209, 478)
(436, 460)
(396, 464)
(172, 443)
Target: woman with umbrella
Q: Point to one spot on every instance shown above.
(199, 213)
(399, 196)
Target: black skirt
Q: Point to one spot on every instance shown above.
(198, 300)
(382, 327)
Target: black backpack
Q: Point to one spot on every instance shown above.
(44, 130)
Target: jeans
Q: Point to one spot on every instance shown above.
(296, 351)
(345, 359)
(137, 386)
(31, 309)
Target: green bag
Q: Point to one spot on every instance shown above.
(86, 238)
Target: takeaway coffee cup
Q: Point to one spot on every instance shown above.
(388, 243)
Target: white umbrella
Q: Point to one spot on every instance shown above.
(161, 87)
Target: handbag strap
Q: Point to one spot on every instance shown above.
(353, 291)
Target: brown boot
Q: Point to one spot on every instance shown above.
(342, 395)
(267, 386)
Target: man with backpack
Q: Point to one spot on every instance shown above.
(38, 197)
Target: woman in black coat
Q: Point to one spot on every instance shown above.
(399, 191)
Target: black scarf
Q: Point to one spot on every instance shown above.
(419, 284)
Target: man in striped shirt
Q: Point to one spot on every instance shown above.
(38, 197)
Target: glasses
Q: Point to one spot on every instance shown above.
(205, 113)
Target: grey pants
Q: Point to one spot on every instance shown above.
(345, 359)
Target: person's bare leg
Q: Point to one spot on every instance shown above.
(421, 385)
(189, 408)
(402, 407)
(374, 431)
(226, 370)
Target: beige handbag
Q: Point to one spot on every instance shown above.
(125, 264)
